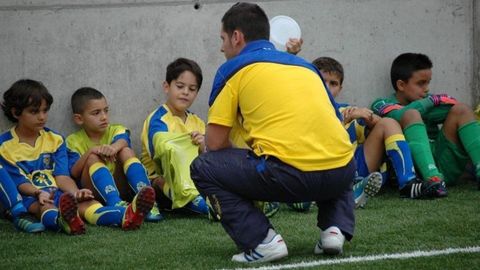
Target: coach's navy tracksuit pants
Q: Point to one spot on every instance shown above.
(232, 178)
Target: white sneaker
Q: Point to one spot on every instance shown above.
(331, 242)
(270, 251)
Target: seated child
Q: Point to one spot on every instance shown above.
(12, 201)
(172, 137)
(36, 159)
(439, 154)
(100, 152)
(385, 137)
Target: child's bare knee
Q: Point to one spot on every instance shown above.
(92, 159)
(461, 109)
(388, 122)
(409, 117)
(126, 153)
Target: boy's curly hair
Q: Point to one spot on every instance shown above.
(22, 94)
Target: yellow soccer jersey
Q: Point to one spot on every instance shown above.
(37, 164)
(356, 128)
(79, 143)
(158, 127)
(286, 113)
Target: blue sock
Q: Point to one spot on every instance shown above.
(49, 219)
(104, 215)
(9, 196)
(136, 174)
(103, 182)
(399, 154)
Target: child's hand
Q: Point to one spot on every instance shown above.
(356, 113)
(198, 139)
(83, 195)
(44, 197)
(440, 99)
(294, 45)
(106, 152)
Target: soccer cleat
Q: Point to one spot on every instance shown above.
(198, 205)
(331, 242)
(154, 215)
(68, 218)
(418, 189)
(441, 189)
(141, 205)
(271, 208)
(367, 187)
(301, 206)
(271, 251)
(122, 204)
(27, 223)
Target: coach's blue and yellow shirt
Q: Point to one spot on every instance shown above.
(37, 164)
(79, 143)
(159, 127)
(286, 110)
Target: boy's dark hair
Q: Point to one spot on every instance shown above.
(405, 64)
(329, 65)
(249, 18)
(22, 94)
(177, 67)
(82, 96)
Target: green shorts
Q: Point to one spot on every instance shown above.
(451, 159)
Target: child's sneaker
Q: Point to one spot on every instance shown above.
(367, 187)
(27, 223)
(122, 204)
(331, 242)
(418, 189)
(301, 206)
(273, 250)
(270, 208)
(154, 215)
(441, 188)
(68, 218)
(141, 205)
(198, 205)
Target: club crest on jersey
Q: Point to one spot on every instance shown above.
(47, 162)
(41, 179)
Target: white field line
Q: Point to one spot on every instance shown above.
(370, 258)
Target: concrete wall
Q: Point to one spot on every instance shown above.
(122, 47)
(476, 53)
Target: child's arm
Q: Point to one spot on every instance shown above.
(109, 151)
(66, 184)
(42, 196)
(396, 111)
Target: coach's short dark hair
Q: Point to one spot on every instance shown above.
(249, 18)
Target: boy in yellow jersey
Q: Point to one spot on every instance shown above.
(172, 137)
(385, 137)
(277, 99)
(100, 152)
(36, 159)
